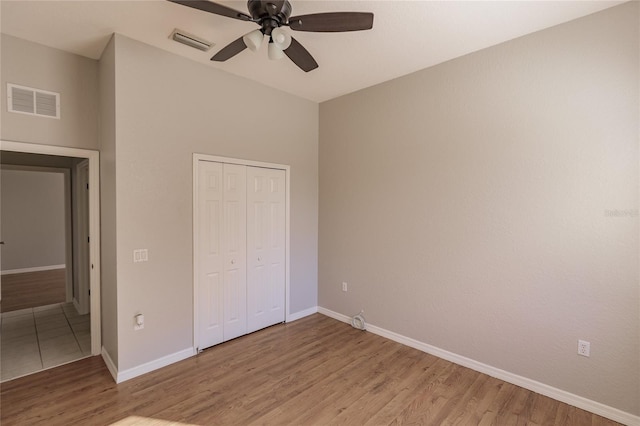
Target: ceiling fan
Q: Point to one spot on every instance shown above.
(271, 15)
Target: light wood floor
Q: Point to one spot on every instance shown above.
(315, 371)
(33, 289)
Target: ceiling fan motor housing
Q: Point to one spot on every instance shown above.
(269, 14)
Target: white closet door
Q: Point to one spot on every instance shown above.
(235, 251)
(265, 247)
(210, 259)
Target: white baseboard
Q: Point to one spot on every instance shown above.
(33, 269)
(532, 385)
(301, 314)
(110, 365)
(154, 365)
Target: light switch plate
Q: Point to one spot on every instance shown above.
(140, 255)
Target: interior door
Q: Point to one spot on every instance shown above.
(222, 276)
(266, 223)
(210, 258)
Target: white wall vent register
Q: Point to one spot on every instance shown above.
(27, 100)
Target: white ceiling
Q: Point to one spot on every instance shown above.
(407, 35)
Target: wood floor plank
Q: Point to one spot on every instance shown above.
(432, 407)
(430, 379)
(315, 371)
(369, 374)
(474, 402)
(395, 381)
(330, 382)
(33, 289)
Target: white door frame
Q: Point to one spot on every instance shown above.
(82, 237)
(94, 220)
(196, 227)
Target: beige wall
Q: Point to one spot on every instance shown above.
(166, 109)
(108, 234)
(155, 110)
(469, 206)
(32, 218)
(74, 77)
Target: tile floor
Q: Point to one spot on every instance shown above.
(34, 339)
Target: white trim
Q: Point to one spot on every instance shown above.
(154, 365)
(81, 269)
(68, 235)
(33, 269)
(111, 366)
(301, 314)
(213, 158)
(238, 161)
(287, 248)
(194, 241)
(532, 385)
(94, 220)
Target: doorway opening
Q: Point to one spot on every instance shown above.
(50, 285)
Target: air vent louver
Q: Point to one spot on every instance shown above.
(191, 40)
(27, 100)
(46, 104)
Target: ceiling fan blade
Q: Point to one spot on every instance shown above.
(215, 8)
(230, 50)
(332, 22)
(300, 56)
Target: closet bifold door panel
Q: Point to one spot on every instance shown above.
(240, 239)
(234, 243)
(210, 257)
(266, 223)
(222, 279)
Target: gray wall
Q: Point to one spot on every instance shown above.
(74, 77)
(472, 206)
(32, 219)
(166, 109)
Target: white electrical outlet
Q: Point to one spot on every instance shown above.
(344, 286)
(584, 348)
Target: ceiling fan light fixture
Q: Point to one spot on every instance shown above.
(274, 52)
(253, 40)
(281, 38)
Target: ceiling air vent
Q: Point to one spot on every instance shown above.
(27, 100)
(191, 40)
